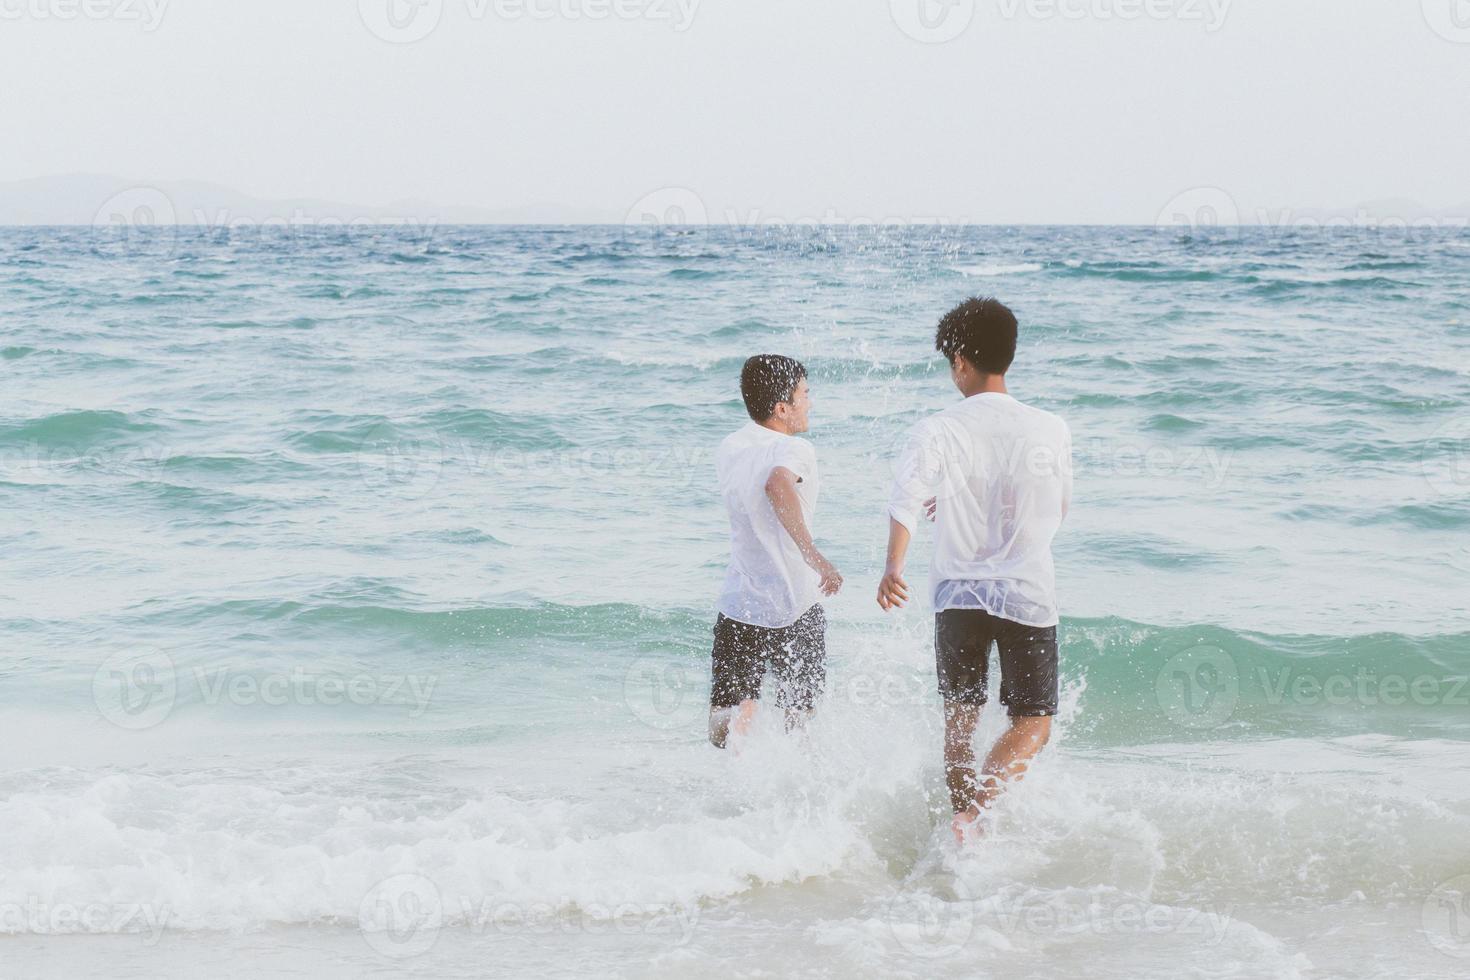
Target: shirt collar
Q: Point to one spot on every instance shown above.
(760, 431)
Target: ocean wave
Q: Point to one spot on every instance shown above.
(326, 432)
(76, 430)
(372, 611)
(1167, 422)
(986, 271)
(314, 849)
(1143, 272)
(501, 429)
(1147, 683)
(227, 850)
(1124, 665)
(1447, 515)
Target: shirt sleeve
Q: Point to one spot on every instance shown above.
(911, 479)
(798, 456)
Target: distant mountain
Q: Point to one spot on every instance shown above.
(86, 199)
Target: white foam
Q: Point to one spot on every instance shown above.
(986, 271)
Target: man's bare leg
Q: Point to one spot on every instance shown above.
(1011, 755)
(724, 722)
(959, 757)
(797, 719)
(1007, 762)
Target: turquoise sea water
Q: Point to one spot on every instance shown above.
(358, 584)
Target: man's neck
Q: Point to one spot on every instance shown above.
(775, 426)
(988, 384)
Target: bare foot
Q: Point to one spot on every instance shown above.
(968, 826)
(741, 725)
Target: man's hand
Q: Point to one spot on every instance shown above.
(831, 577)
(893, 591)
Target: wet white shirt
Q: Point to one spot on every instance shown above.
(768, 584)
(1002, 473)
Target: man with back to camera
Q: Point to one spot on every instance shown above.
(770, 615)
(998, 477)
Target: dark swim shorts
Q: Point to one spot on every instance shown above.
(1028, 661)
(795, 656)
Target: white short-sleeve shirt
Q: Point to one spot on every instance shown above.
(768, 583)
(1001, 472)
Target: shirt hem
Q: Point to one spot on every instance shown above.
(746, 622)
(1051, 621)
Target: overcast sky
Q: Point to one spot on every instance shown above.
(997, 110)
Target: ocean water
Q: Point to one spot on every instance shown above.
(357, 592)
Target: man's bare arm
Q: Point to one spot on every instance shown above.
(893, 591)
(781, 489)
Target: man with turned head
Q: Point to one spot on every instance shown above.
(770, 614)
(995, 476)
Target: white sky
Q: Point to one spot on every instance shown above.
(792, 108)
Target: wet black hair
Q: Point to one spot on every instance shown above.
(982, 330)
(766, 380)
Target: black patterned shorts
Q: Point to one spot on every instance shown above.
(795, 656)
